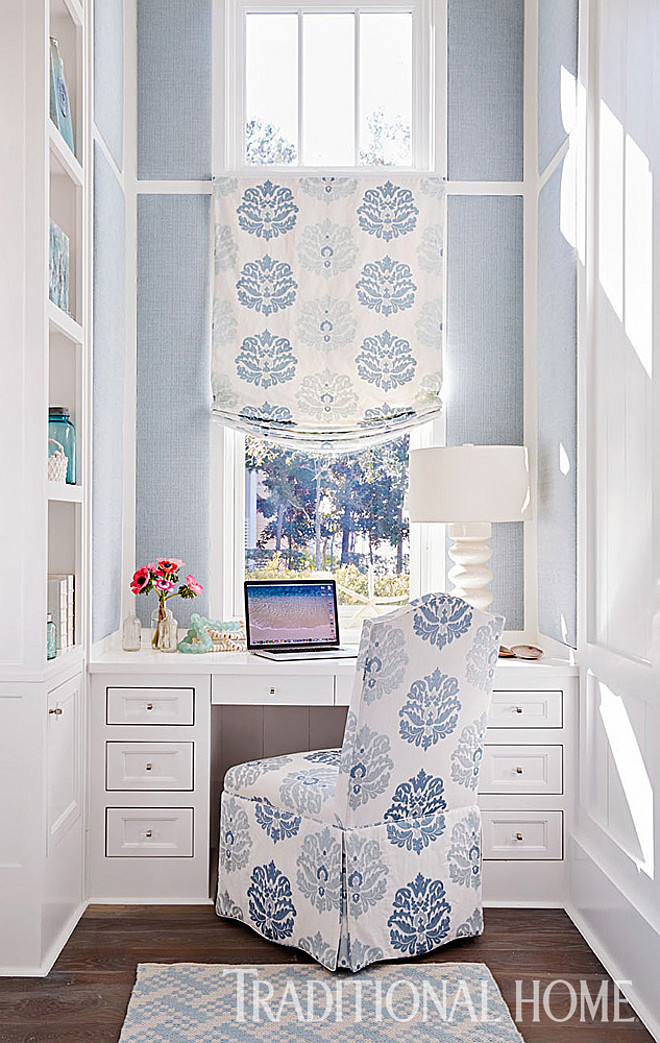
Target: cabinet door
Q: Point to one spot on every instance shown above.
(64, 758)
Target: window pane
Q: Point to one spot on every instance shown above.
(271, 88)
(338, 514)
(328, 89)
(386, 89)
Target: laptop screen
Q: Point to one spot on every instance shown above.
(291, 613)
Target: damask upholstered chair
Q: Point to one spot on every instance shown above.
(373, 852)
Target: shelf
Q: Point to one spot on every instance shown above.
(63, 161)
(68, 661)
(62, 322)
(64, 493)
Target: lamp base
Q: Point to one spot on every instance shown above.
(471, 551)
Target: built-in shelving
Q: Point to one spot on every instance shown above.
(67, 343)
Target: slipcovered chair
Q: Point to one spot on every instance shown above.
(373, 852)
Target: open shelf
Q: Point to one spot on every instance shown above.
(62, 159)
(62, 493)
(64, 323)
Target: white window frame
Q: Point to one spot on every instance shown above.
(229, 150)
(227, 504)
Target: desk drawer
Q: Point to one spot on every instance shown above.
(526, 709)
(149, 766)
(149, 833)
(521, 769)
(523, 834)
(150, 706)
(280, 690)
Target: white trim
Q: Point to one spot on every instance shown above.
(130, 371)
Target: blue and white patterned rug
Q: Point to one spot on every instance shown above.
(248, 1003)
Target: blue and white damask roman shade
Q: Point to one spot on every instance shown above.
(328, 306)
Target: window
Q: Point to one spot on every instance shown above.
(340, 514)
(329, 85)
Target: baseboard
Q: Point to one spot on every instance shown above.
(150, 901)
(636, 940)
(531, 904)
(51, 956)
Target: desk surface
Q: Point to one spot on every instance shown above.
(509, 671)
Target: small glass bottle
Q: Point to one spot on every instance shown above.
(165, 631)
(62, 430)
(51, 638)
(131, 634)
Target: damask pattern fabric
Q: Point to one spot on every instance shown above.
(328, 306)
(373, 851)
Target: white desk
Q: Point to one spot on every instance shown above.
(155, 749)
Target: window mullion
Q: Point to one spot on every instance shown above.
(300, 88)
(356, 91)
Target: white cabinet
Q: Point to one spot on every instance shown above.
(64, 753)
(150, 787)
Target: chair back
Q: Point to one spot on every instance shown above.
(414, 734)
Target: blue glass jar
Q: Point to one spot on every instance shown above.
(62, 430)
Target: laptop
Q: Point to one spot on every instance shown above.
(293, 619)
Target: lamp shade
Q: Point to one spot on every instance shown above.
(469, 483)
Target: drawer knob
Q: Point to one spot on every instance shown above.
(519, 709)
(148, 767)
(519, 836)
(519, 771)
(57, 711)
(150, 706)
(272, 690)
(148, 833)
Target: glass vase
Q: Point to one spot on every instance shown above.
(131, 634)
(165, 629)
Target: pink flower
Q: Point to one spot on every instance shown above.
(169, 564)
(194, 585)
(140, 580)
(162, 584)
(152, 566)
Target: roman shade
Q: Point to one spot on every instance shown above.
(328, 306)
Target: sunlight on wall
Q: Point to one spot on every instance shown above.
(564, 462)
(639, 254)
(629, 763)
(610, 220)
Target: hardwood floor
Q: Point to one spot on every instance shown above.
(84, 998)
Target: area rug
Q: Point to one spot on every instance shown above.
(270, 1003)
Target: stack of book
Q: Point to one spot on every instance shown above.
(61, 606)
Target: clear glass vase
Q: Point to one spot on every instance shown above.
(165, 629)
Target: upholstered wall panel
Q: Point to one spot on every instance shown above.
(174, 89)
(108, 397)
(484, 376)
(485, 48)
(173, 384)
(558, 26)
(109, 75)
(557, 475)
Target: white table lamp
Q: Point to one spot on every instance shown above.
(470, 486)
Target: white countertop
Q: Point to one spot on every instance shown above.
(147, 661)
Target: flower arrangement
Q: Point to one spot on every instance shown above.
(163, 577)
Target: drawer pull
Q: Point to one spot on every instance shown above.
(149, 706)
(148, 767)
(57, 711)
(519, 836)
(519, 709)
(149, 833)
(272, 690)
(519, 770)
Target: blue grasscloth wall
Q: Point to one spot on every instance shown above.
(484, 245)
(109, 333)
